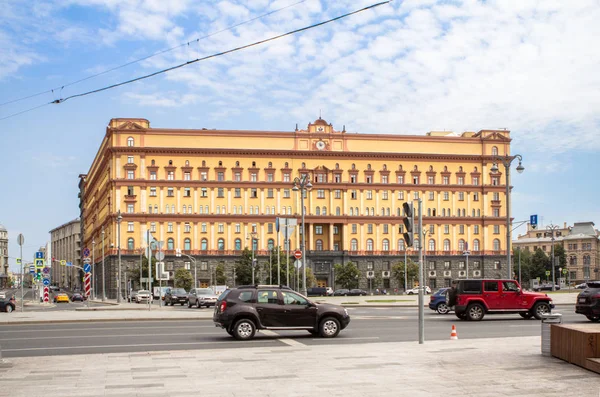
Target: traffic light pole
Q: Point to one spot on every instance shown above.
(421, 286)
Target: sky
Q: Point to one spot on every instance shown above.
(407, 67)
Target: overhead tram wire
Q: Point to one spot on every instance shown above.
(146, 57)
(57, 101)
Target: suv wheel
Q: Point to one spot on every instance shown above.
(329, 328)
(593, 319)
(475, 312)
(526, 316)
(540, 308)
(442, 308)
(244, 329)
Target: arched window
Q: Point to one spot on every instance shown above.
(234, 210)
(240, 210)
(496, 245)
(461, 245)
(153, 162)
(401, 244)
(351, 211)
(270, 244)
(432, 245)
(367, 211)
(270, 164)
(337, 211)
(187, 163)
(372, 211)
(201, 209)
(573, 260)
(221, 244)
(189, 209)
(387, 211)
(318, 211)
(354, 245)
(417, 242)
(385, 244)
(170, 244)
(187, 244)
(256, 211)
(356, 211)
(130, 141)
(476, 245)
(283, 212)
(268, 210)
(337, 166)
(204, 244)
(173, 208)
(150, 209)
(324, 210)
(251, 210)
(273, 209)
(170, 162)
(382, 211)
(586, 260)
(290, 210)
(494, 151)
(204, 163)
(286, 164)
(446, 245)
(167, 209)
(319, 245)
(218, 210)
(369, 244)
(428, 211)
(130, 244)
(303, 165)
(238, 244)
(443, 212)
(223, 209)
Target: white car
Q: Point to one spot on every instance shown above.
(329, 291)
(415, 291)
(143, 296)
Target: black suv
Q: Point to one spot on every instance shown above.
(176, 295)
(588, 301)
(243, 310)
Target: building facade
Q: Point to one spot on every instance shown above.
(3, 257)
(204, 192)
(65, 243)
(580, 241)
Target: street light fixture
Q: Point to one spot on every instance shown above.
(119, 218)
(551, 228)
(507, 161)
(103, 272)
(303, 185)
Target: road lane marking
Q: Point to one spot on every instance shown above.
(107, 329)
(352, 338)
(287, 341)
(103, 336)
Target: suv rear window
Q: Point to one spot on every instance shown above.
(224, 294)
(470, 287)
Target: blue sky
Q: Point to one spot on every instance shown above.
(407, 67)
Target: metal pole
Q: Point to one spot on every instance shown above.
(303, 249)
(151, 299)
(252, 263)
(278, 262)
(405, 272)
(93, 266)
(119, 250)
(421, 287)
(22, 276)
(103, 272)
(287, 253)
(141, 265)
(553, 266)
(270, 265)
(467, 255)
(195, 274)
(507, 168)
(519, 266)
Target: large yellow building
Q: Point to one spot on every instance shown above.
(204, 191)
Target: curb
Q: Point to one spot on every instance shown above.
(113, 320)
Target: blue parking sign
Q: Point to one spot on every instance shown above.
(39, 255)
(533, 220)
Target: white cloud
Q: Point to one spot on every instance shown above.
(165, 99)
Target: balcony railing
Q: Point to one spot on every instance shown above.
(263, 252)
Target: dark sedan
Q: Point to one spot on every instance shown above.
(341, 292)
(7, 305)
(176, 295)
(77, 297)
(357, 292)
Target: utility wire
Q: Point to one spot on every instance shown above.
(150, 56)
(25, 111)
(221, 53)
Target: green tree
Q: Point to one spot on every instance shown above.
(183, 279)
(346, 276)
(221, 278)
(412, 272)
(525, 264)
(283, 267)
(559, 252)
(243, 268)
(311, 280)
(539, 264)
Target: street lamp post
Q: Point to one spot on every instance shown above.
(551, 228)
(303, 185)
(103, 272)
(507, 161)
(94, 268)
(252, 237)
(119, 218)
(179, 253)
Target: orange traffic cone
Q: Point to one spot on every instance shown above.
(453, 334)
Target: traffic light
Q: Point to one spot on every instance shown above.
(254, 262)
(409, 223)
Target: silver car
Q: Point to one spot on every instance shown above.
(202, 297)
(142, 296)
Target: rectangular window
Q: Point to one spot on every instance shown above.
(495, 212)
(400, 228)
(321, 193)
(386, 229)
(369, 194)
(416, 195)
(129, 159)
(204, 265)
(497, 265)
(237, 192)
(186, 265)
(400, 195)
(352, 178)
(461, 229)
(130, 208)
(130, 191)
(353, 194)
(386, 265)
(446, 196)
(220, 176)
(253, 177)
(431, 265)
(204, 176)
(354, 227)
(447, 265)
(203, 192)
(130, 174)
(221, 228)
(445, 180)
(130, 226)
(461, 196)
(476, 180)
(318, 229)
(170, 227)
(270, 177)
(286, 193)
(475, 196)
(496, 196)
(187, 176)
(171, 175)
(400, 179)
(336, 230)
(370, 228)
(461, 265)
(203, 228)
(286, 177)
(152, 175)
(495, 181)
(431, 229)
(446, 229)
(253, 193)
(384, 195)
(187, 192)
(238, 228)
(170, 192)
(337, 193)
(220, 192)
(496, 229)
(269, 228)
(430, 180)
(384, 179)
(369, 265)
(337, 178)
(476, 265)
(431, 196)
(237, 176)
(415, 180)
(187, 228)
(461, 180)
(153, 227)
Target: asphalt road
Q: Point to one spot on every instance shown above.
(368, 325)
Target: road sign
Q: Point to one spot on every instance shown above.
(87, 284)
(565, 271)
(46, 270)
(547, 272)
(69, 264)
(87, 260)
(20, 239)
(298, 254)
(46, 281)
(160, 255)
(87, 268)
(39, 255)
(31, 269)
(298, 264)
(46, 275)
(533, 221)
(39, 263)
(63, 262)
(18, 261)
(46, 294)
(86, 252)
(277, 224)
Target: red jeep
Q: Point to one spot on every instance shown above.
(475, 298)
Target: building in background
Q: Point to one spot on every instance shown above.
(65, 241)
(204, 191)
(3, 257)
(580, 241)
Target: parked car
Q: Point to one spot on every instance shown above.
(201, 297)
(61, 297)
(588, 301)
(476, 298)
(2, 295)
(357, 292)
(329, 291)
(77, 297)
(176, 295)
(415, 291)
(7, 305)
(131, 297)
(142, 295)
(341, 292)
(244, 310)
(437, 301)
(546, 287)
(53, 288)
(316, 291)
(581, 286)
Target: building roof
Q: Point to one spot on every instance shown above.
(2, 228)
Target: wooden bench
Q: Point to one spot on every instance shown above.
(577, 344)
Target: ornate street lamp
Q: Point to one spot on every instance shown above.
(303, 185)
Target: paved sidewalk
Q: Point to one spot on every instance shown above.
(476, 367)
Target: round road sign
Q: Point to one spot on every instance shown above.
(46, 281)
(86, 252)
(20, 239)
(298, 254)
(87, 268)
